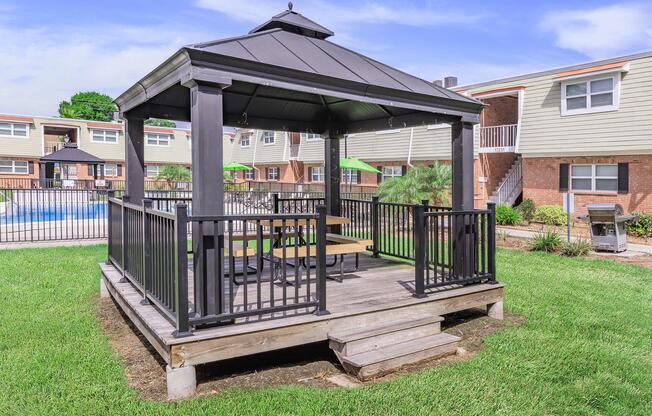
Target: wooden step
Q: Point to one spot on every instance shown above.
(392, 357)
(355, 340)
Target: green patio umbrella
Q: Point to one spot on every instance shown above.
(354, 163)
(234, 166)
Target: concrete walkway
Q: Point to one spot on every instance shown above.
(525, 234)
(55, 243)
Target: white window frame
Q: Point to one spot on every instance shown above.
(14, 166)
(113, 167)
(278, 173)
(594, 177)
(317, 172)
(588, 109)
(393, 174)
(158, 138)
(12, 129)
(157, 168)
(265, 137)
(248, 136)
(311, 137)
(350, 174)
(249, 175)
(103, 140)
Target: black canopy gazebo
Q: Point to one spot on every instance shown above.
(68, 154)
(286, 75)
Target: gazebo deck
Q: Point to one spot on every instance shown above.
(380, 290)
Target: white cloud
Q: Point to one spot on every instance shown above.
(49, 64)
(603, 31)
(405, 13)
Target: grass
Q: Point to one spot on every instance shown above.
(584, 349)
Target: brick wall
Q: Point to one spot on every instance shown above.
(541, 183)
(493, 167)
(500, 110)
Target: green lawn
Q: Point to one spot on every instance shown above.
(585, 348)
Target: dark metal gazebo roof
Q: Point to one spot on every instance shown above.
(285, 75)
(71, 154)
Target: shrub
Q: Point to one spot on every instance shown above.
(548, 241)
(551, 215)
(576, 248)
(641, 226)
(526, 209)
(506, 215)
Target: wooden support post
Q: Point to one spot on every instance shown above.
(181, 272)
(419, 250)
(332, 176)
(206, 115)
(135, 159)
(147, 251)
(321, 260)
(375, 226)
(462, 164)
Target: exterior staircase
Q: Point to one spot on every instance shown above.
(511, 185)
(376, 350)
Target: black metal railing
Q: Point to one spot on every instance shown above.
(453, 247)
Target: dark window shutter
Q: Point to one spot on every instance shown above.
(119, 170)
(267, 173)
(358, 177)
(90, 170)
(309, 174)
(563, 177)
(30, 166)
(403, 170)
(379, 175)
(623, 178)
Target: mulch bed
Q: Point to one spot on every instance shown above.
(578, 229)
(309, 365)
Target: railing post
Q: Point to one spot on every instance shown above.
(321, 260)
(181, 272)
(147, 251)
(491, 242)
(419, 232)
(425, 203)
(375, 226)
(125, 199)
(109, 225)
(275, 206)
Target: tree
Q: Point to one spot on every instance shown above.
(174, 173)
(88, 105)
(420, 182)
(159, 122)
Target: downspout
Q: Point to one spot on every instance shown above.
(409, 158)
(521, 102)
(253, 162)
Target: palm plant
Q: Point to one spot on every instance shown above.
(173, 173)
(420, 183)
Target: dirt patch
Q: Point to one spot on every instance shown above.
(308, 365)
(642, 259)
(505, 241)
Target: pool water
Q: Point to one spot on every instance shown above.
(54, 212)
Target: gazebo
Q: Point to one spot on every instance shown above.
(285, 75)
(68, 154)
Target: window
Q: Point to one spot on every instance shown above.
(152, 171)
(10, 129)
(249, 175)
(268, 137)
(110, 169)
(590, 96)
(14, 166)
(594, 178)
(273, 173)
(310, 136)
(158, 139)
(317, 174)
(350, 176)
(245, 140)
(104, 136)
(392, 172)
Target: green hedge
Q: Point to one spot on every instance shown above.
(506, 215)
(641, 226)
(551, 215)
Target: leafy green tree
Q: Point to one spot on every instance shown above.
(88, 105)
(420, 182)
(160, 122)
(173, 173)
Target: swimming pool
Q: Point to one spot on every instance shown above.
(17, 214)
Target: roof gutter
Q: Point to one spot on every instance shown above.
(409, 158)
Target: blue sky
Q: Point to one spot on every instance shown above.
(52, 49)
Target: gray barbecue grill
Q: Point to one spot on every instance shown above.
(607, 225)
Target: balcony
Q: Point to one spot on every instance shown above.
(498, 139)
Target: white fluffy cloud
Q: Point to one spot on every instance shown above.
(49, 64)
(604, 31)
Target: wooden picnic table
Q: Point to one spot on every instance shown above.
(330, 220)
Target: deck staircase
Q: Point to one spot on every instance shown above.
(375, 350)
(511, 185)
